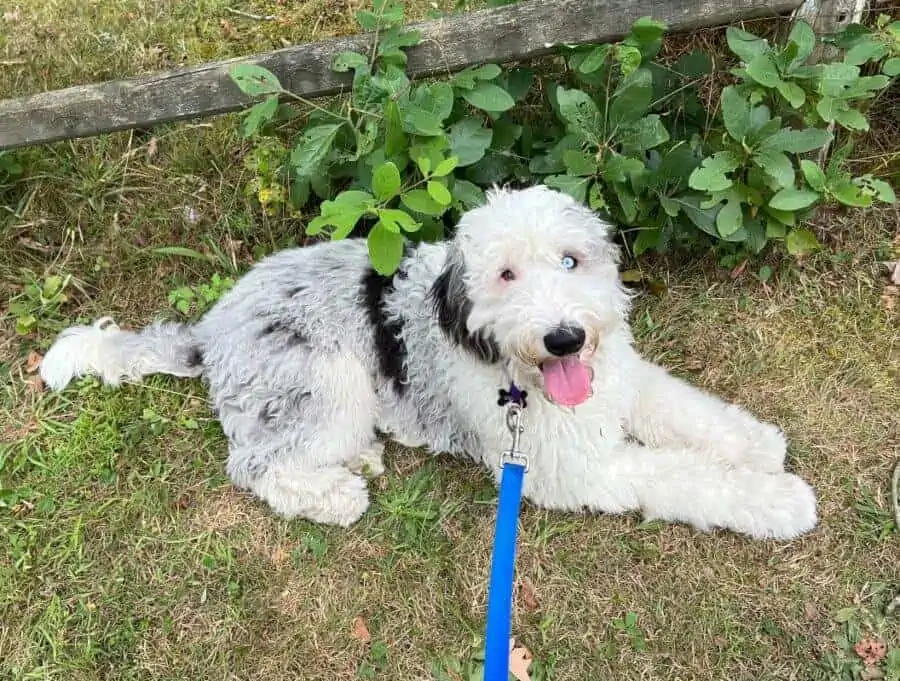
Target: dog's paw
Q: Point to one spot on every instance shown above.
(772, 506)
(370, 462)
(766, 448)
(333, 496)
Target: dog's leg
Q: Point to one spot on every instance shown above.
(300, 441)
(682, 486)
(669, 412)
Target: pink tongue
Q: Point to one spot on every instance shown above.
(567, 381)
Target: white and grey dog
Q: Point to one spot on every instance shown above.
(312, 353)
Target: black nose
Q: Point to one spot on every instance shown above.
(565, 340)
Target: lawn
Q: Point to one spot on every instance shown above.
(128, 555)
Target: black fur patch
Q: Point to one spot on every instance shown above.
(292, 336)
(452, 309)
(389, 346)
(291, 292)
(194, 358)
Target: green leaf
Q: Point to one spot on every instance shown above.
(400, 218)
(801, 241)
(793, 199)
(468, 194)
(439, 193)
(631, 100)
(777, 165)
(849, 194)
(731, 217)
(891, 67)
(745, 45)
(445, 167)
(580, 163)
(804, 38)
(489, 97)
(851, 119)
(517, 82)
(423, 162)
(469, 140)
(735, 113)
(813, 174)
(827, 108)
(259, 114)
(255, 80)
(576, 187)
(711, 175)
(796, 141)
(386, 181)
(312, 148)
(883, 191)
(647, 133)
(596, 200)
(704, 219)
(349, 61)
(580, 114)
(836, 77)
(793, 93)
(424, 112)
(763, 70)
(420, 201)
(385, 249)
(467, 79)
(594, 60)
(865, 51)
(784, 217)
(629, 58)
(394, 137)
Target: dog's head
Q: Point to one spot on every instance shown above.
(531, 278)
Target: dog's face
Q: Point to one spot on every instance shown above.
(532, 279)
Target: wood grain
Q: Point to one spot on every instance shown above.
(509, 33)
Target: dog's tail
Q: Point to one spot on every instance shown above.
(105, 350)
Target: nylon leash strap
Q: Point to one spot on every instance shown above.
(513, 466)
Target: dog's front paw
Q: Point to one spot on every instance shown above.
(772, 506)
(766, 448)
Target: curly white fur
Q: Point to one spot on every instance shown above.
(312, 353)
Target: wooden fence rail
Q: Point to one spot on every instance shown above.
(512, 32)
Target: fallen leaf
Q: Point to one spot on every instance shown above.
(34, 384)
(519, 662)
(360, 631)
(526, 593)
(13, 16)
(33, 361)
(871, 674)
(893, 271)
(871, 651)
(739, 270)
(228, 31)
(278, 555)
(810, 611)
(152, 148)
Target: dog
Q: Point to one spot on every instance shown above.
(312, 358)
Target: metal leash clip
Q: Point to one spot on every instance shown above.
(514, 424)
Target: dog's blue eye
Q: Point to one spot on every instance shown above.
(568, 262)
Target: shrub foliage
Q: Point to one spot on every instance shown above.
(649, 144)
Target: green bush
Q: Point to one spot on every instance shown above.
(614, 128)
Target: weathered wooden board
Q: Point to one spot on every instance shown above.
(512, 32)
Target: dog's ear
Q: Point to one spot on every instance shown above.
(452, 307)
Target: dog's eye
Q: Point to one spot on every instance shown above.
(568, 262)
(507, 275)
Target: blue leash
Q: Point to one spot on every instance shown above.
(514, 465)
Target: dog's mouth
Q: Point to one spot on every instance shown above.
(567, 380)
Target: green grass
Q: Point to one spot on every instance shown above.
(128, 555)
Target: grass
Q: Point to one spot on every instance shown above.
(127, 554)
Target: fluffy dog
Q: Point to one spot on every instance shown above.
(313, 353)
